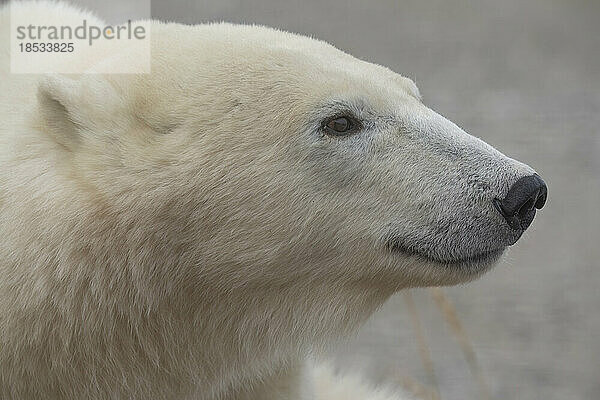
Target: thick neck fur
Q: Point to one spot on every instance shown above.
(151, 322)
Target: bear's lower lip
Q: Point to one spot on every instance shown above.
(479, 258)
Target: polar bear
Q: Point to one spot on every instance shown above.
(202, 231)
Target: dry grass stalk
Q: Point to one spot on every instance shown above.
(450, 315)
(417, 389)
(422, 344)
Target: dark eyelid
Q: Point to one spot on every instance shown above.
(355, 125)
(355, 108)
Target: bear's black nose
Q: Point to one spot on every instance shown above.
(523, 197)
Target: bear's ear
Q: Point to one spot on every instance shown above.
(74, 108)
(56, 98)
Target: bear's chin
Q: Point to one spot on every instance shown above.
(396, 246)
(474, 266)
(482, 259)
(458, 270)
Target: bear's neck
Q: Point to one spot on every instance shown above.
(241, 337)
(120, 319)
(133, 300)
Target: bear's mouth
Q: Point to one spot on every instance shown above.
(485, 257)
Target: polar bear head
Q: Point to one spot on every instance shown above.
(254, 156)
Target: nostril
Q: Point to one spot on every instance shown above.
(523, 197)
(528, 206)
(542, 196)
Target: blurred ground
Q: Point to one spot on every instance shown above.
(524, 76)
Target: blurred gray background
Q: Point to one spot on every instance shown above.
(524, 75)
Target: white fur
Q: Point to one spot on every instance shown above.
(191, 233)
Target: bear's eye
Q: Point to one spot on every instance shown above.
(341, 126)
